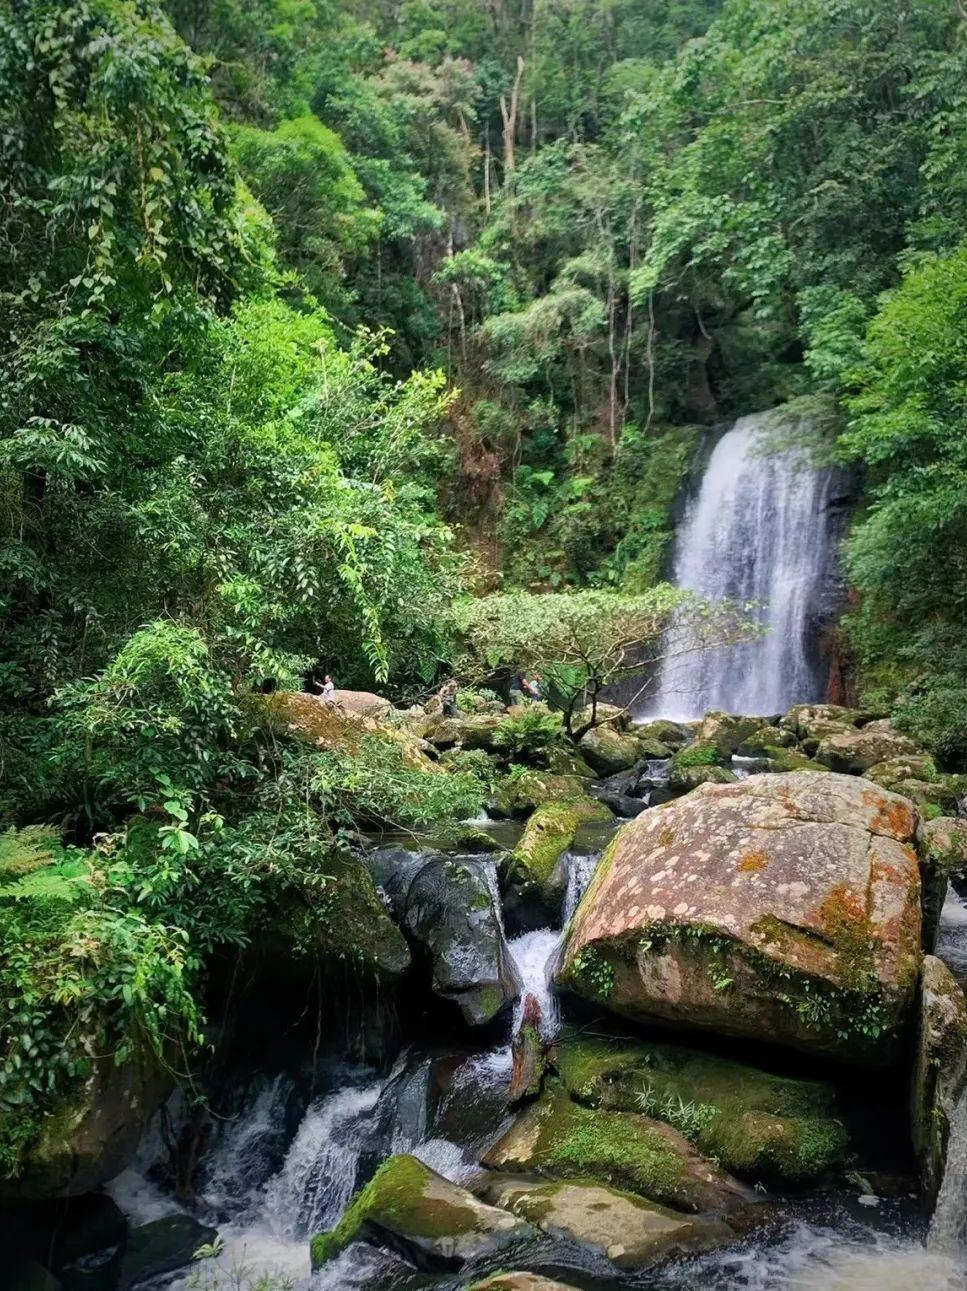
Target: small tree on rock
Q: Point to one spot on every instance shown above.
(582, 642)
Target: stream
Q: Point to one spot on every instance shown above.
(271, 1177)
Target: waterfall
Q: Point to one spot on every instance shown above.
(757, 532)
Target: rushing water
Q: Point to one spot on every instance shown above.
(757, 532)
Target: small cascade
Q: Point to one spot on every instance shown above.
(757, 533)
(247, 1147)
(318, 1178)
(580, 870)
(534, 954)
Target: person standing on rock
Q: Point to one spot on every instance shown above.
(327, 692)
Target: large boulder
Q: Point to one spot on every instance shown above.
(940, 1069)
(855, 751)
(469, 731)
(92, 1132)
(673, 735)
(560, 1138)
(813, 722)
(785, 908)
(335, 729)
(435, 1224)
(726, 731)
(362, 702)
(161, 1246)
(631, 1232)
(449, 906)
(781, 1130)
(607, 750)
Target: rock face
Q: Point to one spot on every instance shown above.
(431, 1222)
(529, 1054)
(767, 1128)
(93, 1134)
(940, 1069)
(560, 1138)
(448, 906)
(785, 908)
(946, 843)
(631, 1232)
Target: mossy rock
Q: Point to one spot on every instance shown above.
(565, 760)
(609, 751)
(561, 1138)
(946, 843)
(628, 1230)
(779, 1130)
(550, 832)
(685, 778)
(725, 731)
(939, 1070)
(672, 735)
(764, 739)
(784, 760)
(431, 1222)
(345, 920)
(517, 796)
(935, 798)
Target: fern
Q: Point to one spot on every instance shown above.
(24, 850)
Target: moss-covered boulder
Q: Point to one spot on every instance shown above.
(725, 731)
(603, 715)
(945, 839)
(764, 739)
(516, 796)
(91, 1133)
(783, 760)
(785, 908)
(915, 766)
(856, 751)
(631, 1232)
(312, 720)
(560, 1138)
(700, 764)
(940, 1071)
(469, 731)
(549, 833)
(673, 735)
(565, 760)
(608, 750)
(435, 1224)
(775, 1129)
(344, 920)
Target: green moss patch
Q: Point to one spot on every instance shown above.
(550, 832)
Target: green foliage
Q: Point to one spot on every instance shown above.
(906, 424)
(529, 733)
(698, 755)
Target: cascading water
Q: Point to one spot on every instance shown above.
(756, 533)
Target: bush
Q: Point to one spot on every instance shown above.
(530, 733)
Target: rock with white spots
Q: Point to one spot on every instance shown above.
(785, 908)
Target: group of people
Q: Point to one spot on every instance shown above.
(528, 688)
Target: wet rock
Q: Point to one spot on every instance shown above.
(855, 751)
(549, 833)
(529, 1053)
(775, 1129)
(450, 908)
(560, 1138)
(940, 1069)
(435, 1224)
(161, 1247)
(350, 922)
(685, 778)
(621, 804)
(785, 908)
(631, 1232)
(608, 751)
(520, 1282)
